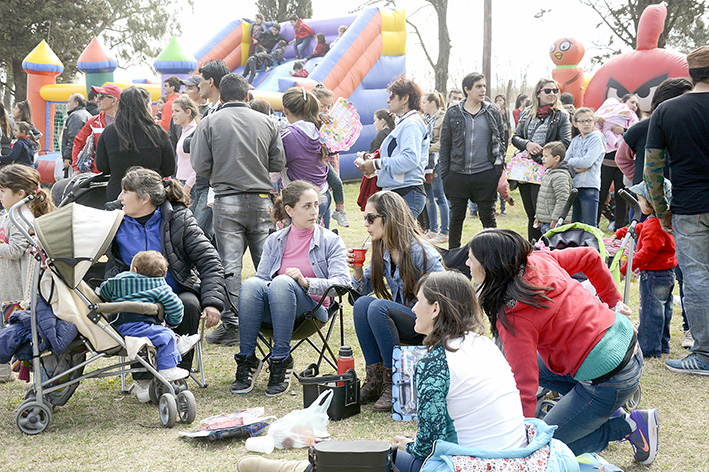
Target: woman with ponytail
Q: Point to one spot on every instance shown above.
(17, 182)
(156, 218)
(22, 151)
(306, 156)
(299, 263)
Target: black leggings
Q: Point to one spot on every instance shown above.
(613, 174)
(190, 323)
(529, 193)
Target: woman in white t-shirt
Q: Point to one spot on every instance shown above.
(465, 389)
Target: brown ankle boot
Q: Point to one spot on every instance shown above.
(384, 402)
(372, 388)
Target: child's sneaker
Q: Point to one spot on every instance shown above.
(186, 342)
(341, 217)
(645, 426)
(687, 340)
(174, 373)
(691, 364)
(142, 390)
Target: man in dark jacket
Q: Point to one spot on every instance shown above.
(472, 156)
(269, 38)
(77, 116)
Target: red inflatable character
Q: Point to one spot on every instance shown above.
(566, 53)
(639, 71)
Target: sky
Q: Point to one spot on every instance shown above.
(520, 44)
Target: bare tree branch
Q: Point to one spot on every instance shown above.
(423, 44)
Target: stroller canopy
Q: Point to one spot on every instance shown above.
(74, 237)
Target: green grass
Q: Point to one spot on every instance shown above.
(101, 429)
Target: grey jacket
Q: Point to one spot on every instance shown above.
(74, 122)
(236, 148)
(554, 191)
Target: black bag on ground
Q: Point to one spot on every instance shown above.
(351, 456)
(345, 387)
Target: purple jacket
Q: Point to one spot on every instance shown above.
(301, 142)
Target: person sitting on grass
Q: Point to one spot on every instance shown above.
(298, 70)
(656, 260)
(556, 186)
(145, 282)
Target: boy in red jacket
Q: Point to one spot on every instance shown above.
(303, 33)
(655, 258)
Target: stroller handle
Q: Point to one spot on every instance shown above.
(633, 202)
(15, 211)
(567, 205)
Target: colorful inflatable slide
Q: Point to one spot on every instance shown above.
(368, 57)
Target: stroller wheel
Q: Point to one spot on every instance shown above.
(33, 416)
(168, 410)
(157, 388)
(180, 385)
(186, 406)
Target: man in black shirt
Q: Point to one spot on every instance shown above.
(680, 127)
(269, 38)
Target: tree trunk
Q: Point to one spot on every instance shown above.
(19, 78)
(444, 46)
(487, 43)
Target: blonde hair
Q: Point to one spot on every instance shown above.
(534, 108)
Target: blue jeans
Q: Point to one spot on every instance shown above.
(655, 311)
(335, 183)
(202, 213)
(582, 415)
(278, 305)
(324, 209)
(586, 207)
(405, 462)
(301, 47)
(680, 282)
(416, 201)
(436, 196)
(380, 325)
(240, 221)
(545, 227)
(692, 243)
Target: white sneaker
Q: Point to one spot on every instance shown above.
(341, 217)
(687, 340)
(174, 373)
(186, 342)
(430, 235)
(142, 390)
(440, 239)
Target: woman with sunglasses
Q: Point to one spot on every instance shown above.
(545, 121)
(404, 152)
(401, 255)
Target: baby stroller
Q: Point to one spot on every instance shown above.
(69, 241)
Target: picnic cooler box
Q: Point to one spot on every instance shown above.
(345, 387)
(350, 456)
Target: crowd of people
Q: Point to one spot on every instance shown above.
(215, 174)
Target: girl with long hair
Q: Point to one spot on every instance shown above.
(466, 393)
(134, 139)
(185, 114)
(556, 334)
(299, 263)
(23, 112)
(306, 156)
(17, 182)
(384, 123)
(401, 255)
(22, 151)
(7, 124)
(544, 121)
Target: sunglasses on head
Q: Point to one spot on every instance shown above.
(370, 217)
(550, 90)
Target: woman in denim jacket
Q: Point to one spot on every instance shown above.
(401, 255)
(297, 266)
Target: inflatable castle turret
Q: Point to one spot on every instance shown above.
(174, 60)
(97, 64)
(42, 67)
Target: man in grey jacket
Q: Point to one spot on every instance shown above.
(77, 116)
(236, 148)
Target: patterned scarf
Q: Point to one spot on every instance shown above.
(543, 111)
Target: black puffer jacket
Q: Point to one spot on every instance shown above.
(193, 261)
(559, 130)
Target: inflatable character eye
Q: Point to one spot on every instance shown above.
(615, 90)
(565, 45)
(552, 48)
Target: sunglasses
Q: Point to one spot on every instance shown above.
(550, 90)
(101, 96)
(370, 217)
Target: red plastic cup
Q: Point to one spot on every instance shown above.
(358, 256)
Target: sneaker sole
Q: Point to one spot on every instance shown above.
(271, 395)
(244, 391)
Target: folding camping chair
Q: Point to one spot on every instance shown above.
(309, 325)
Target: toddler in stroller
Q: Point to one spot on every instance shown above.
(145, 282)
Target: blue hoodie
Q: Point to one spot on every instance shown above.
(404, 154)
(22, 153)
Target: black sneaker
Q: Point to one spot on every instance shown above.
(227, 335)
(280, 378)
(247, 369)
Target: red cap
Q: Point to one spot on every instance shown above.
(108, 89)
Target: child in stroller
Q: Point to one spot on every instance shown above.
(145, 282)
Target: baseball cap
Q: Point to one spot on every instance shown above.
(191, 81)
(108, 89)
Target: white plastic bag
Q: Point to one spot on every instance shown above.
(300, 428)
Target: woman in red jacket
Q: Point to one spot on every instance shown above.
(558, 335)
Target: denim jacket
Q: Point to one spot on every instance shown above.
(404, 154)
(327, 258)
(434, 263)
